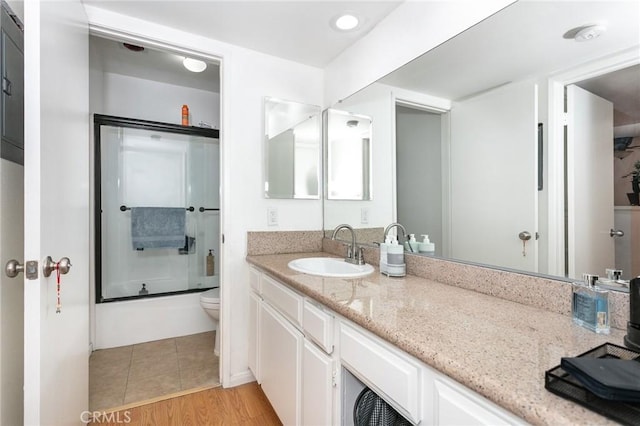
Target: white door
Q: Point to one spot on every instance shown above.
(589, 183)
(56, 211)
(494, 135)
(11, 294)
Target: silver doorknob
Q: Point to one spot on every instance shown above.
(49, 266)
(616, 233)
(13, 268)
(524, 236)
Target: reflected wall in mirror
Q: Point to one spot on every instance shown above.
(291, 149)
(459, 147)
(348, 155)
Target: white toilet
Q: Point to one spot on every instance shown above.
(210, 302)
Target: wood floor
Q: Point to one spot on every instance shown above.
(241, 405)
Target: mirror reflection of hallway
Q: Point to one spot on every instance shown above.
(419, 173)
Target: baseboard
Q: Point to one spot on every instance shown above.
(239, 379)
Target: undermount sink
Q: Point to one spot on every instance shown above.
(330, 267)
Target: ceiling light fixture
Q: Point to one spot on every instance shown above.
(346, 22)
(194, 65)
(589, 33)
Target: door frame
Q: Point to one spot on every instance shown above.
(434, 105)
(221, 57)
(556, 157)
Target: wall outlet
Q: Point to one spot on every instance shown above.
(364, 215)
(272, 216)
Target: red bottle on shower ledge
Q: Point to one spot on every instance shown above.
(185, 115)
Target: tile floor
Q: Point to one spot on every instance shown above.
(135, 373)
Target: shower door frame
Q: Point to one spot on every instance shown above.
(131, 123)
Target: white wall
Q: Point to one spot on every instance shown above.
(151, 100)
(247, 77)
(412, 29)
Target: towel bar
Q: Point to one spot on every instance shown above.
(125, 208)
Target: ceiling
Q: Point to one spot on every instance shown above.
(523, 40)
(300, 30)
(113, 57)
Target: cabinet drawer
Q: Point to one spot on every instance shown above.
(254, 279)
(390, 373)
(318, 326)
(456, 405)
(284, 300)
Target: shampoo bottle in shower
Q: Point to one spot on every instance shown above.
(210, 263)
(185, 115)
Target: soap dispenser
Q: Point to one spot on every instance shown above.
(395, 259)
(426, 246)
(411, 245)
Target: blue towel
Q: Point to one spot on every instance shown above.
(157, 227)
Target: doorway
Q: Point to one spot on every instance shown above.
(419, 183)
(621, 150)
(134, 330)
(561, 250)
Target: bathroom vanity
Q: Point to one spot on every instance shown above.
(438, 354)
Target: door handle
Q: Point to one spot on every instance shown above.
(13, 268)
(524, 236)
(616, 233)
(49, 266)
(30, 268)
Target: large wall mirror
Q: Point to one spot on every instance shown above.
(291, 149)
(470, 143)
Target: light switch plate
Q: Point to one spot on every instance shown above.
(364, 215)
(272, 216)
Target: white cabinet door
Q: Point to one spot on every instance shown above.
(280, 356)
(254, 335)
(458, 406)
(317, 386)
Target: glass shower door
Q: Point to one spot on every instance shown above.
(157, 172)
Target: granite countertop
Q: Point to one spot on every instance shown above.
(498, 348)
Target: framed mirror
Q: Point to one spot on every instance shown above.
(348, 155)
(469, 177)
(292, 152)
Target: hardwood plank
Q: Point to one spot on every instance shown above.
(242, 405)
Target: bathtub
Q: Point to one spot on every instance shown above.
(142, 320)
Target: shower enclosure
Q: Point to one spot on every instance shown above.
(153, 179)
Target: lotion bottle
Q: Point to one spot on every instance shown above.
(426, 246)
(210, 264)
(411, 245)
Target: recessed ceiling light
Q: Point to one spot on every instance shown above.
(346, 22)
(194, 65)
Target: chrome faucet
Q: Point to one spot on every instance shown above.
(355, 254)
(398, 225)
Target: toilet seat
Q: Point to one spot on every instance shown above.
(210, 297)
